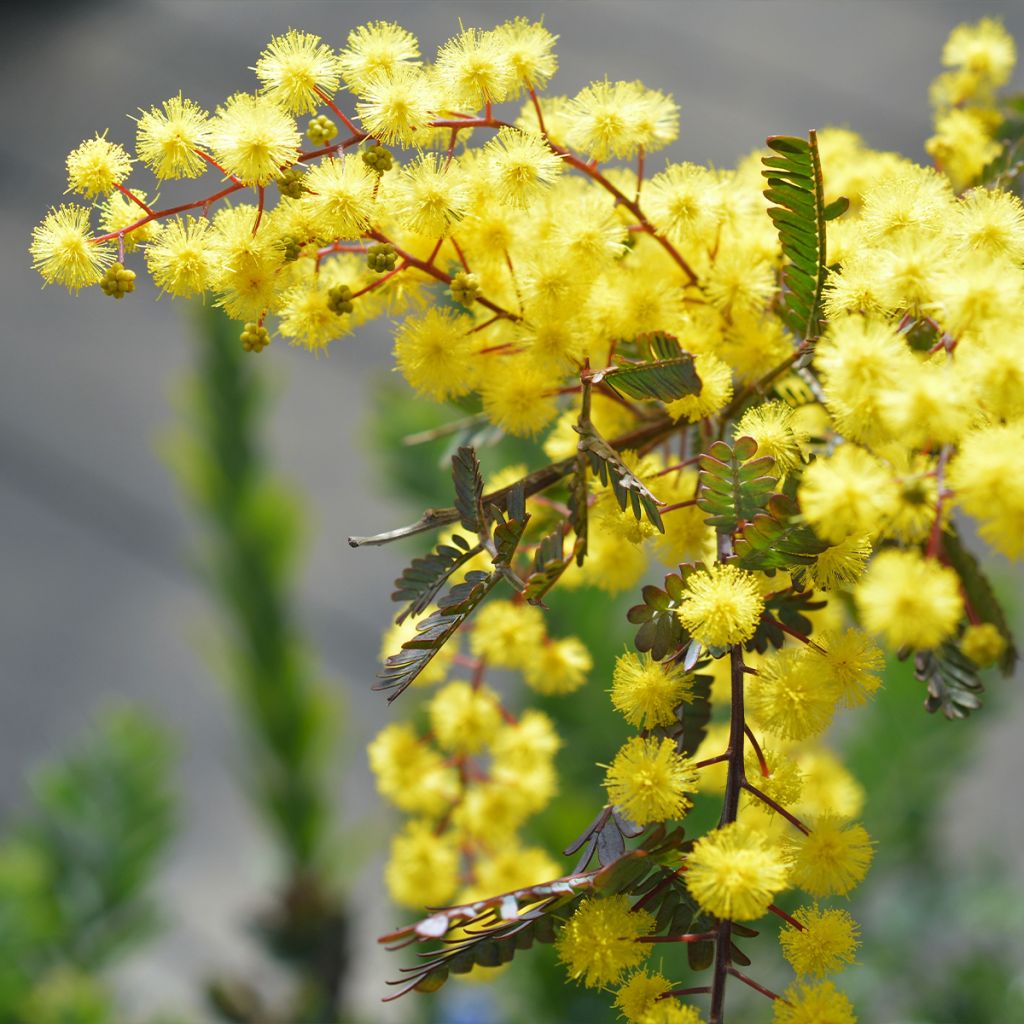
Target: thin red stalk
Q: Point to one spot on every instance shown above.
(639, 172)
(379, 281)
(777, 807)
(337, 111)
(757, 750)
(435, 251)
(261, 193)
(536, 107)
(698, 990)
(459, 253)
(689, 937)
(712, 760)
(213, 163)
(935, 537)
(779, 912)
(485, 324)
(679, 465)
(157, 214)
(129, 194)
(756, 986)
(678, 504)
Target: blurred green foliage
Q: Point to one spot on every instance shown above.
(75, 870)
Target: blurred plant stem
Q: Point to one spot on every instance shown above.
(251, 527)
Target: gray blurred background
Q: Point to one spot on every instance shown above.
(99, 600)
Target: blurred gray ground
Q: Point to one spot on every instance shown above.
(98, 599)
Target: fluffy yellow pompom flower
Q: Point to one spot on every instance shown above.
(985, 49)
(827, 787)
(832, 860)
(773, 426)
(179, 261)
(504, 633)
(96, 166)
(789, 696)
(601, 125)
(849, 664)
(734, 874)
(422, 870)
(813, 1004)
(647, 692)
(340, 197)
(557, 667)
(413, 776)
(307, 317)
(430, 196)
(715, 390)
(395, 107)
(376, 49)
(521, 166)
(638, 1000)
(962, 145)
(851, 493)
(912, 601)
(598, 943)
(721, 606)
(166, 139)
(431, 352)
(529, 48)
(648, 781)
(294, 67)
(827, 943)
(983, 644)
(61, 250)
(991, 222)
(473, 68)
(685, 202)
(253, 138)
(118, 212)
(464, 718)
(840, 564)
(518, 396)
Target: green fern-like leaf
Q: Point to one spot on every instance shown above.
(799, 212)
(660, 632)
(420, 582)
(952, 680)
(614, 473)
(434, 632)
(668, 373)
(469, 489)
(774, 539)
(734, 485)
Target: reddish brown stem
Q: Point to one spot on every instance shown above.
(712, 760)
(756, 986)
(777, 807)
(688, 937)
(757, 750)
(779, 912)
(129, 194)
(335, 109)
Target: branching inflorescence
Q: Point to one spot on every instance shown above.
(783, 382)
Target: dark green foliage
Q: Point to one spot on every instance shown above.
(952, 680)
(74, 872)
(776, 539)
(578, 506)
(734, 486)
(980, 594)
(799, 212)
(667, 374)
(660, 632)
(498, 927)
(549, 562)
(789, 608)
(469, 489)
(421, 581)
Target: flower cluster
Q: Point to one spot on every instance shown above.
(792, 450)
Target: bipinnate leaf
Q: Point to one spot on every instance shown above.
(469, 489)
(421, 581)
(667, 375)
(952, 680)
(734, 486)
(776, 539)
(799, 212)
(660, 632)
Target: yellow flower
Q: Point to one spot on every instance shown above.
(983, 644)
(601, 122)
(840, 564)
(431, 352)
(772, 425)
(473, 68)
(293, 67)
(96, 166)
(638, 1000)
(521, 165)
(985, 49)
(253, 138)
(789, 697)
(648, 781)
(394, 108)
(340, 197)
(410, 774)
(734, 874)
(851, 493)
(61, 250)
(430, 196)
(826, 944)
(518, 396)
(833, 859)
(813, 1004)
(118, 212)
(529, 48)
(376, 49)
(422, 870)
(827, 786)
(166, 139)
(912, 601)
(557, 667)
(179, 260)
(715, 391)
(850, 662)
(505, 633)
(520, 744)
(721, 606)
(647, 692)
(598, 943)
(464, 718)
